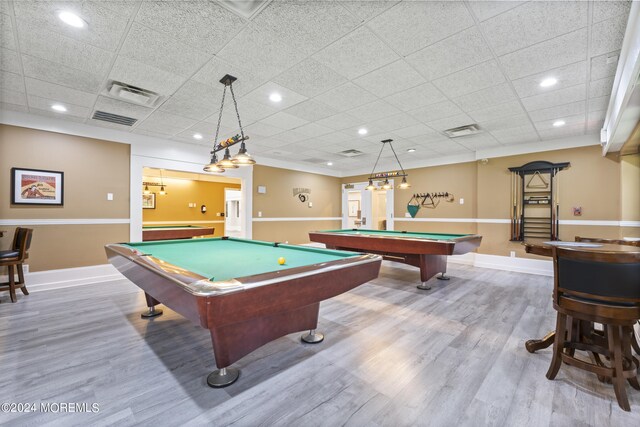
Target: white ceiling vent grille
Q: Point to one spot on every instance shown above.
(132, 94)
(463, 131)
(244, 8)
(114, 118)
(351, 153)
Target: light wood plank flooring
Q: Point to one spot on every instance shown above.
(393, 356)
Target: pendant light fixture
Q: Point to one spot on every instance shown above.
(386, 184)
(243, 158)
(146, 189)
(162, 192)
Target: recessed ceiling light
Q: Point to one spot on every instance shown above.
(558, 123)
(275, 97)
(329, 163)
(411, 150)
(197, 136)
(59, 107)
(72, 19)
(548, 82)
(363, 131)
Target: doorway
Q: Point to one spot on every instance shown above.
(366, 209)
(232, 213)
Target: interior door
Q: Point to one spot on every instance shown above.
(232, 221)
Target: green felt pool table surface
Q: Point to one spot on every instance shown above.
(221, 259)
(399, 234)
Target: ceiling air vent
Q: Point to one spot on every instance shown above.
(133, 94)
(114, 118)
(462, 131)
(351, 153)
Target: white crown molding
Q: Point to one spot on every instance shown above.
(324, 218)
(70, 221)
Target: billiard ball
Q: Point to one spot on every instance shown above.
(281, 260)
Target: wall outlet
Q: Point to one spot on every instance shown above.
(512, 254)
(259, 214)
(109, 196)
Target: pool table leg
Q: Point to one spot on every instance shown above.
(312, 337)
(430, 265)
(223, 377)
(151, 303)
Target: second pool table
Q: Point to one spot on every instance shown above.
(169, 232)
(428, 251)
(238, 290)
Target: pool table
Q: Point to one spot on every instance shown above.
(169, 232)
(428, 251)
(238, 289)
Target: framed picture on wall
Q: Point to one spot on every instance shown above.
(149, 201)
(354, 207)
(37, 187)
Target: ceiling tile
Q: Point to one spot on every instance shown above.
(122, 7)
(374, 111)
(305, 26)
(450, 122)
(59, 93)
(309, 78)
(260, 53)
(284, 121)
(54, 47)
(569, 75)
(194, 100)
(390, 79)
(506, 109)
(121, 108)
(105, 26)
(478, 141)
(600, 87)
(418, 96)
(50, 113)
(410, 26)
(11, 81)
(598, 104)
(214, 70)
(162, 122)
(311, 110)
(12, 97)
(391, 123)
(13, 107)
(161, 51)
(484, 10)
(209, 28)
(607, 35)
(470, 80)
(534, 22)
(436, 111)
(340, 121)
(608, 9)
(506, 122)
(145, 76)
(260, 129)
(595, 118)
(351, 56)
(45, 105)
(59, 74)
(516, 135)
(550, 54)
(447, 148)
(569, 120)
(366, 10)
(486, 98)
(261, 95)
(604, 65)
(570, 109)
(346, 97)
(313, 130)
(9, 61)
(250, 112)
(289, 137)
(557, 97)
(562, 132)
(7, 39)
(452, 54)
(413, 131)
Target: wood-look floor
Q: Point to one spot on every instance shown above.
(393, 356)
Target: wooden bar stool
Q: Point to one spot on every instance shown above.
(600, 287)
(14, 258)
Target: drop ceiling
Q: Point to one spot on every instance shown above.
(405, 70)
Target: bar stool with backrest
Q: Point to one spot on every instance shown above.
(14, 258)
(601, 287)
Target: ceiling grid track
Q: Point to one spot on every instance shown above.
(588, 85)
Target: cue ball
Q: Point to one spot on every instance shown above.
(281, 260)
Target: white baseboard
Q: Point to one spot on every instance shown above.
(68, 277)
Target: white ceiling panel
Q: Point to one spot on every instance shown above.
(452, 54)
(198, 23)
(598, 104)
(9, 61)
(450, 122)
(60, 74)
(478, 142)
(570, 109)
(313, 130)
(603, 10)
(194, 100)
(7, 39)
(340, 121)
(447, 147)
(507, 109)
(159, 121)
(374, 111)
(131, 72)
(470, 80)
(484, 10)
(436, 111)
(260, 129)
(59, 93)
(413, 131)
(289, 137)
(11, 81)
(390, 79)
(569, 75)
(506, 122)
(604, 65)
(351, 55)
(600, 87)
(122, 7)
(45, 104)
(576, 120)
(562, 132)
(160, 51)
(393, 122)
(534, 22)
(262, 93)
(284, 121)
(416, 97)
(368, 9)
(346, 97)
(410, 26)
(311, 110)
(486, 98)
(516, 135)
(12, 107)
(310, 78)
(550, 54)
(214, 70)
(104, 29)
(557, 97)
(13, 97)
(607, 35)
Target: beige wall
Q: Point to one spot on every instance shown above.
(174, 206)
(92, 168)
(279, 202)
(630, 191)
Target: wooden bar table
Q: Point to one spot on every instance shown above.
(543, 248)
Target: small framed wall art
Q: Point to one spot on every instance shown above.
(37, 187)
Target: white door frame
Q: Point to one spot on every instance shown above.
(360, 186)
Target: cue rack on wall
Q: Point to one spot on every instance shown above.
(535, 202)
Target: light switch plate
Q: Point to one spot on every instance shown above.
(109, 196)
